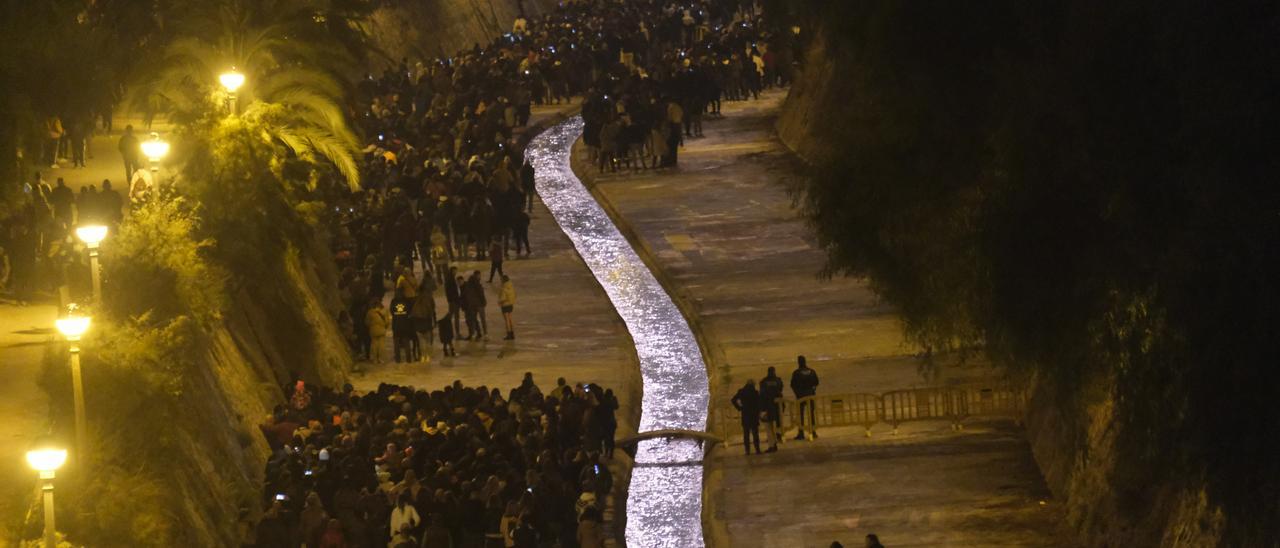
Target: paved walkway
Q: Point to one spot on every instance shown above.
(565, 325)
(25, 332)
(724, 229)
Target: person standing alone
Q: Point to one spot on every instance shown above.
(747, 402)
(804, 383)
(507, 300)
(130, 148)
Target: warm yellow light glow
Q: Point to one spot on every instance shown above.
(231, 80)
(155, 149)
(91, 235)
(73, 326)
(795, 30)
(46, 459)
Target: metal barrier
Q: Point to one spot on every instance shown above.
(953, 403)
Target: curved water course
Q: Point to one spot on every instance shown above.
(664, 503)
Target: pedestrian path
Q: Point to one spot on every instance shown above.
(724, 234)
(25, 333)
(565, 324)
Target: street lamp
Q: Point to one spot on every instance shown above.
(46, 458)
(72, 326)
(231, 80)
(92, 235)
(155, 149)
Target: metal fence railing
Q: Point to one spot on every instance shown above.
(952, 403)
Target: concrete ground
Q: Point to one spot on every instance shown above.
(103, 160)
(565, 327)
(928, 486)
(565, 324)
(724, 230)
(25, 332)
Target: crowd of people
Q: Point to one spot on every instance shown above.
(456, 467)
(445, 176)
(39, 253)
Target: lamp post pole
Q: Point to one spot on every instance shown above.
(96, 274)
(77, 386)
(50, 527)
(92, 236)
(73, 327)
(231, 81)
(46, 458)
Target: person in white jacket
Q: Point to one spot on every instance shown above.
(404, 515)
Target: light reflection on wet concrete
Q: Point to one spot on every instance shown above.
(664, 501)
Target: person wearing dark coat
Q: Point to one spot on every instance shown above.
(403, 329)
(473, 304)
(446, 333)
(747, 402)
(770, 391)
(804, 383)
(520, 232)
(453, 295)
(527, 184)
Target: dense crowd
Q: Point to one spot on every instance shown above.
(446, 180)
(39, 252)
(456, 467)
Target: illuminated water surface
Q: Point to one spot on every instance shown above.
(664, 503)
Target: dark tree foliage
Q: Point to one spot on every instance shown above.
(45, 71)
(1088, 190)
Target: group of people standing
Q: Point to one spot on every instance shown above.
(412, 319)
(446, 178)
(39, 252)
(756, 405)
(454, 467)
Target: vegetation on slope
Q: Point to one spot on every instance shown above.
(1084, 191)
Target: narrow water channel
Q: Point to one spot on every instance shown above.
(664, 502)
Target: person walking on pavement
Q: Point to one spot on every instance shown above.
(770, 391)
(376, 320)
(130, 148)
(495, 260)
(520, 233)
(402, 329)
(507, 300)
(527, 184)
(424, 316)
(804, 383)
(453, 296)
(446, 334)
(747, 402)
(473, 299)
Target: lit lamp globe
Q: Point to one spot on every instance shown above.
(231, 80)
(46, 458)
(155, 148)
(91, 235)
(73, 325)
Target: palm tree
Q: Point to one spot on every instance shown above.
(292, 53)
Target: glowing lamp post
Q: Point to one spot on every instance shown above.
(155, 149)
(92, 235)
(72, 326)
(47, 458)
(231, 81)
